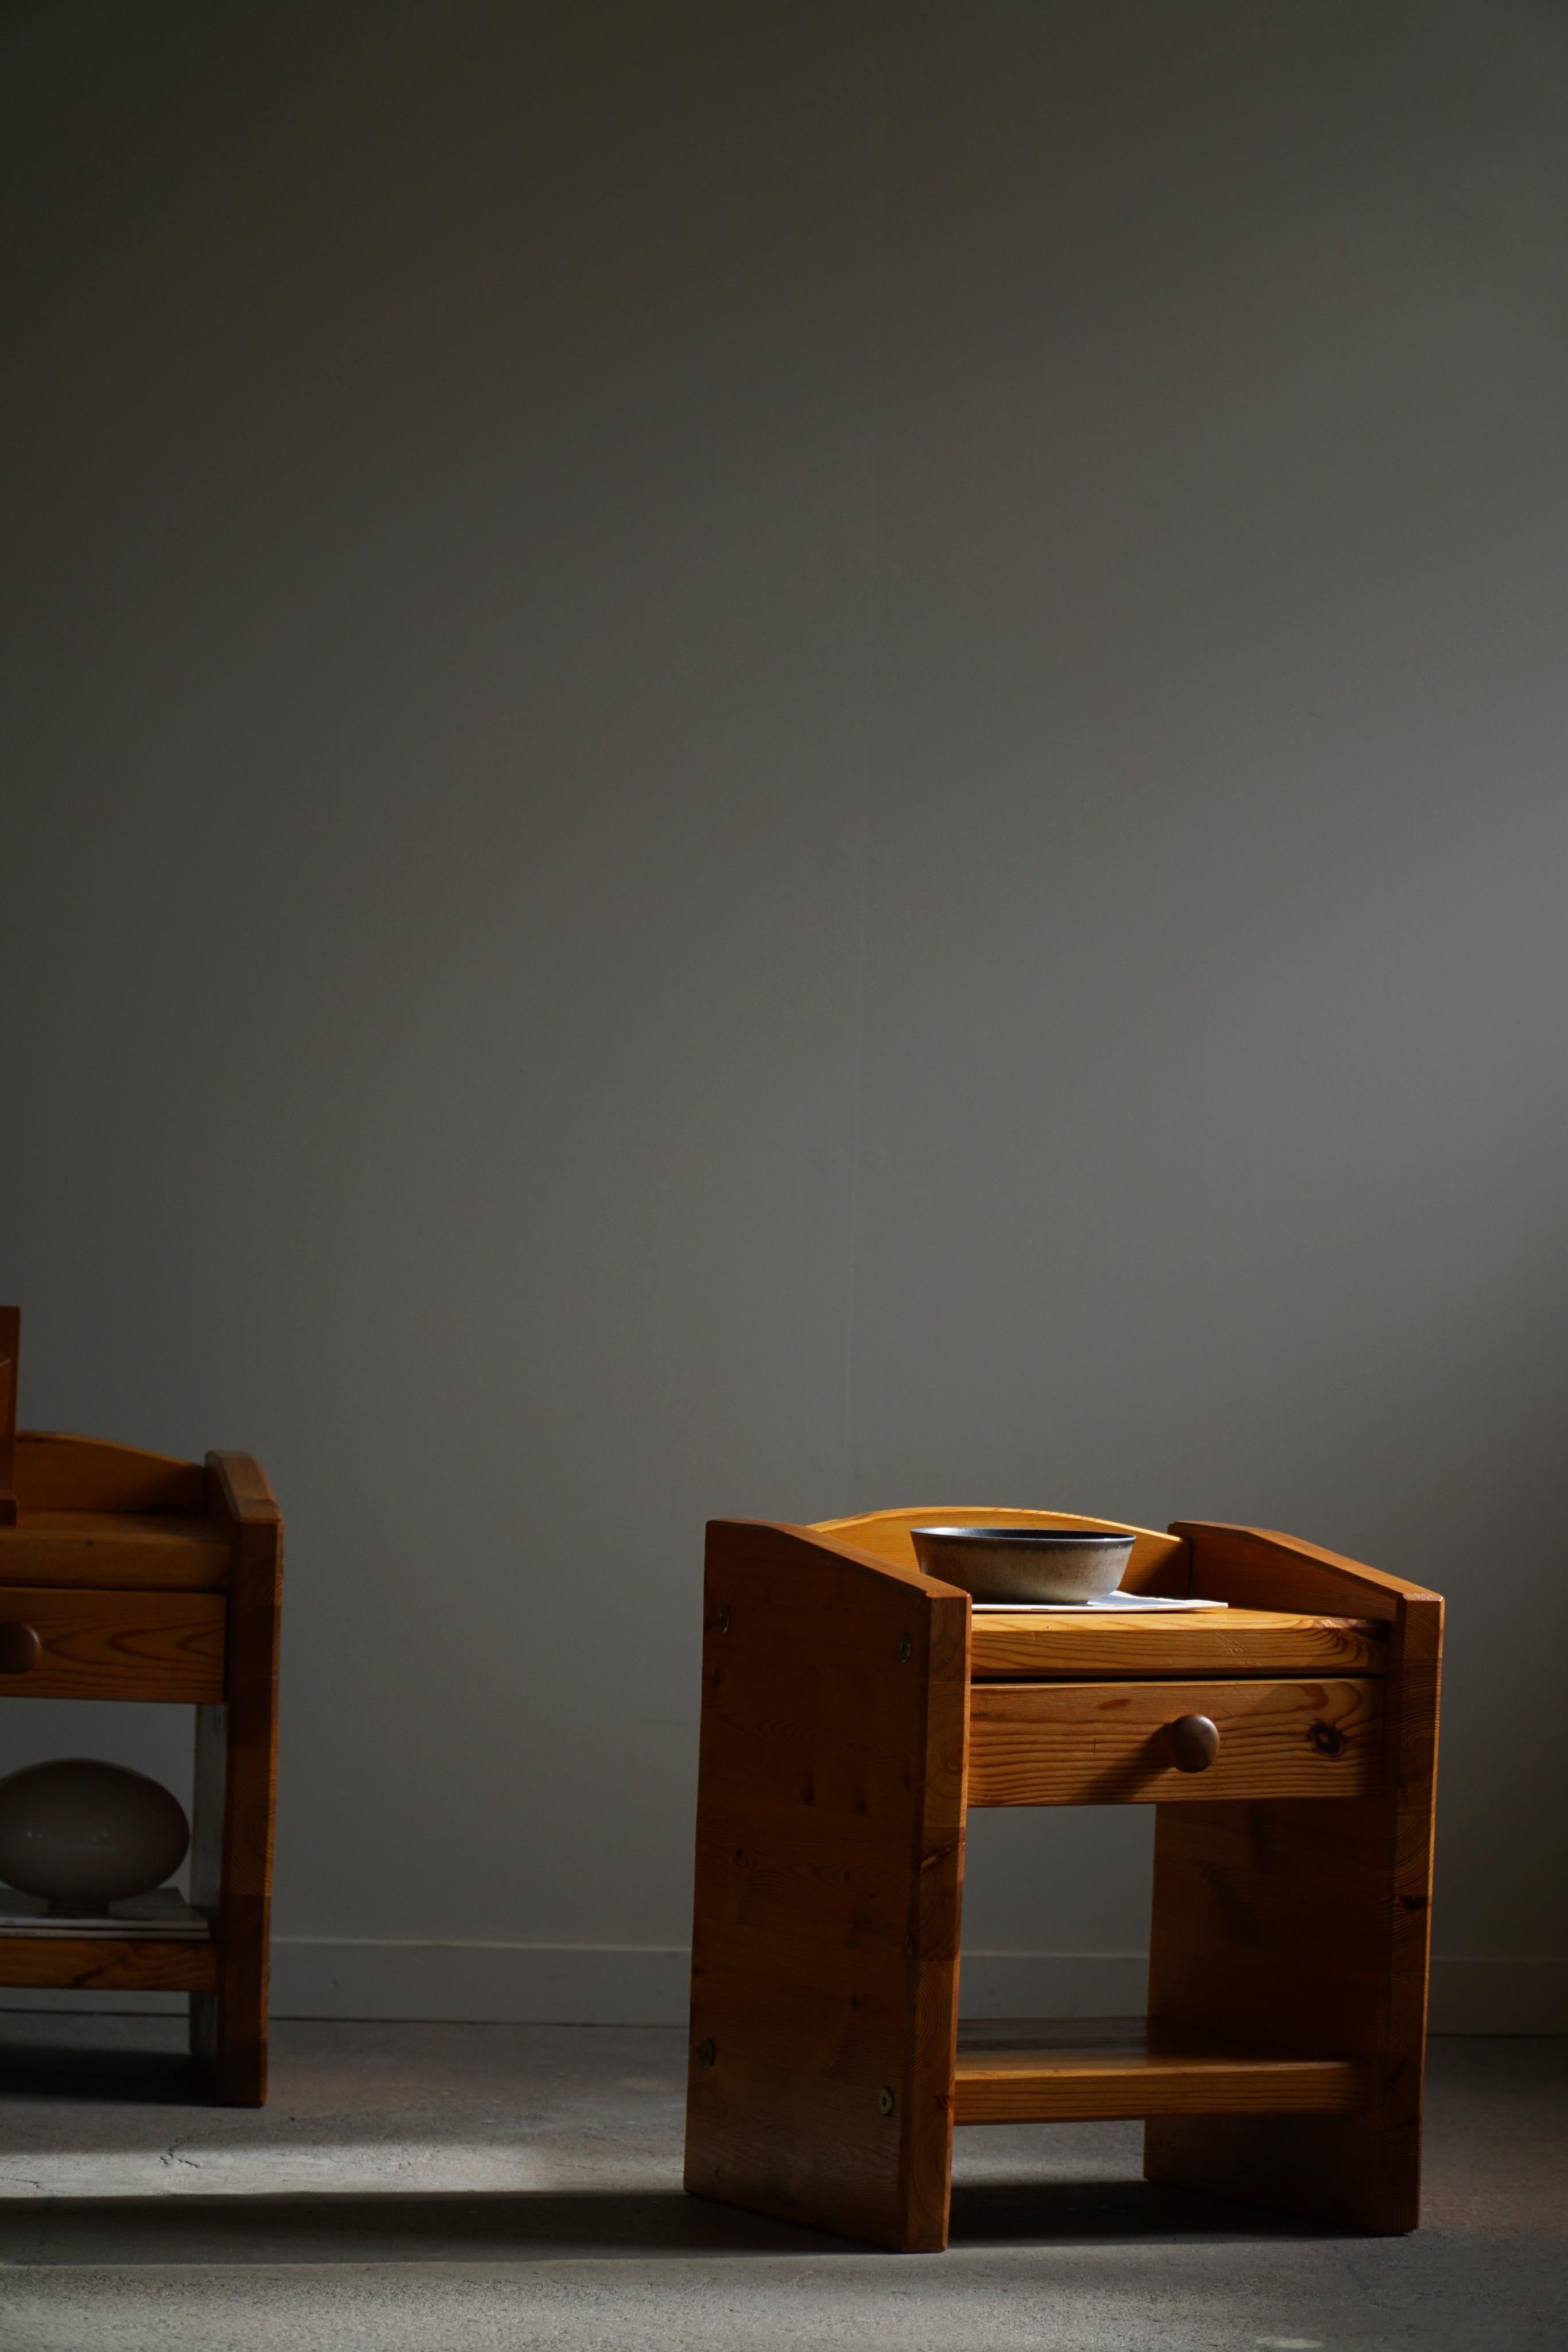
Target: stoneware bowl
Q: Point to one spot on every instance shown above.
(1025, 1563)
(84, 1834)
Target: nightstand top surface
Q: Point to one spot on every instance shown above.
(1202, 1642)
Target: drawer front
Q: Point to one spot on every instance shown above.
(148, 1645)
(1119, 1743)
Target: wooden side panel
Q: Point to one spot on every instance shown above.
(829, 1872)
(1158, 1562)
(1104, 1743)
(10, 1363)
(1311, 1923)
(228, 2027)
(165, 1647)
(56, 1472)
(1230, 1642)
(104, 1964)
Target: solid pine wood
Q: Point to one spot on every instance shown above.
(1103, 1743)
(122, 1645)
(57, 1472)
(1259, 1568)
(132, 1568)
(828, 1875)
(236, 1779)
(106, 1963)
(1285, 2045)
(1010, 2072)
(1310, 1920)
(1227, 1642)
(135, 1551)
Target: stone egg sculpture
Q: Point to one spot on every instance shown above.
(84, 1834)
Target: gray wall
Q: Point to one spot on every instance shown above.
(766, 759)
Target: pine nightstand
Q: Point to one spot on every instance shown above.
(124, 1575)
(854, 1709)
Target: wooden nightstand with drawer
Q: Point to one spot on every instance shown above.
(854, 1709)
(126, 1575)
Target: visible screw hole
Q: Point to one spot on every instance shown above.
(884, 2101)
(905, 1648)
(707, 2053)
(722, 1618)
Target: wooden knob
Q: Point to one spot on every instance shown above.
(1194, 1743)
(19, 1648)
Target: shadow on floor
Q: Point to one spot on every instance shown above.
(566, 2225)
(149, 2078)
(1072, 2212)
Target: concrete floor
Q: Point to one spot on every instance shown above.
(446, 2186)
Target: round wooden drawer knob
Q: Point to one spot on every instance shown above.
(1194, 1743)
(19, 1648)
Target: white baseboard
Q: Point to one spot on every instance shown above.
(646, 1984)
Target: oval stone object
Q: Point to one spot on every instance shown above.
(1058, 1564)
(78, 1832)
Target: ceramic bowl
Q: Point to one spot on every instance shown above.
(81, 1833)
(1025, 1563)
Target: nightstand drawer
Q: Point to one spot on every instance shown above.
(1153, 1743)
(143, 1645)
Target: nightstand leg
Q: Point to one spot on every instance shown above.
(237, 1782)
(1271, 1922)
(229, 2025)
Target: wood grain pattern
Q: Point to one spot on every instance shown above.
(1312, 1920)
(105, 1964)
(229, 2025)
(1103, 1743)
(114, 1552)
(1261, 1569)
(166, 1646)
(1284, 2056)
(829, 1860)
(1158, 1562)
(57, 1472)
(1080, 2071)
(1231, 1642)
(10, 1366)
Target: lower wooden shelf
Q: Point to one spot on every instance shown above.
(108, 1963)
(1012, 2070)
